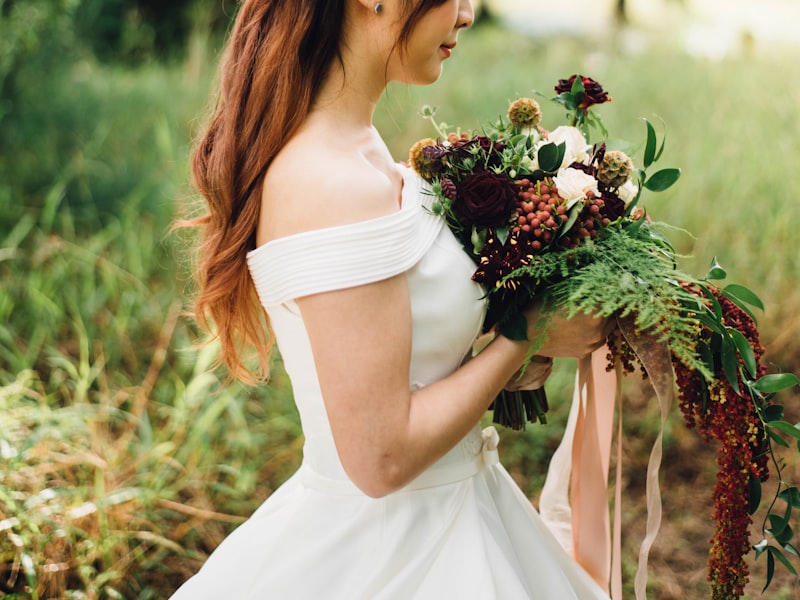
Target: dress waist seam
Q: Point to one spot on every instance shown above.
(435, 476)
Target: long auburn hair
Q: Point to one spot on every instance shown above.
(277, 57)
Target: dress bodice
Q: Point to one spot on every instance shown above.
(447, 308)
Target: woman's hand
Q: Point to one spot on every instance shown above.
(533, 376)
(572, 337)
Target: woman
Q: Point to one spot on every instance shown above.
(371, 304)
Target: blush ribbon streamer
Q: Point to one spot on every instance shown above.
(574, 499)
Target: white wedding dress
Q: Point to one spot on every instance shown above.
(463, 529)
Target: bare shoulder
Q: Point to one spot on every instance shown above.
(309, 186)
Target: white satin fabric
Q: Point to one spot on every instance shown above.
(462, 529)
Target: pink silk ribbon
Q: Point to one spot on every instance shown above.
(574, 499)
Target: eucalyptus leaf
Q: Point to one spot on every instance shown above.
(777, 382)
(662, 180)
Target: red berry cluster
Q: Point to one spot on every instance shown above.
(541, 211)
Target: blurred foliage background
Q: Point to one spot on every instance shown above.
(123, 460)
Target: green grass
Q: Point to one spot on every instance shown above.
(123, 462)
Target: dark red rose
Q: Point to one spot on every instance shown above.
(593, 92)
(613, 206)
(485, 199)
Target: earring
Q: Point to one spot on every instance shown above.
(378, 8)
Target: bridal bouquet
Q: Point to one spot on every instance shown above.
(549, 217)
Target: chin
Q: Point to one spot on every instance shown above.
(425, 78)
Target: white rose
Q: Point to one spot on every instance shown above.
(627, 192)
(577, 150)
(575, 185)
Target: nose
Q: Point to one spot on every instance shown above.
(466, 14)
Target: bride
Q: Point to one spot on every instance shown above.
(368, 296)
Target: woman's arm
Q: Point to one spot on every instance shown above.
(385, 434)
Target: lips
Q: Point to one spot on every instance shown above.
(447, 48)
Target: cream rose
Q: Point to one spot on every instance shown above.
(576, 148)
(575, 185)
(627, 192)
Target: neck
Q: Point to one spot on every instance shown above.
(353, 87)
(348, 96)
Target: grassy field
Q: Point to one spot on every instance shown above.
(124, 462)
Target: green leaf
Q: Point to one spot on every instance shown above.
(502, 234)
(786, 428)
(736, 292)
(791, 496)
(574, 213)
(577, 86)
(662, 180)
(777, 382)
(710, 322)
(791, 549)
(550, 156)
(770, 569)
(778, 439)
(745, 351)
(704, 351)
(784, 561)
(650, 146)
(715, 270)
(717, 309)
(730, 364)
(778, 526)
(754, 494)
(774, 412)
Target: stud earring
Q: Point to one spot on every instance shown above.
(378, 8)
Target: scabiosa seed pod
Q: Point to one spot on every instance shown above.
(524, 112)
(419, 159)
(615, 169)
